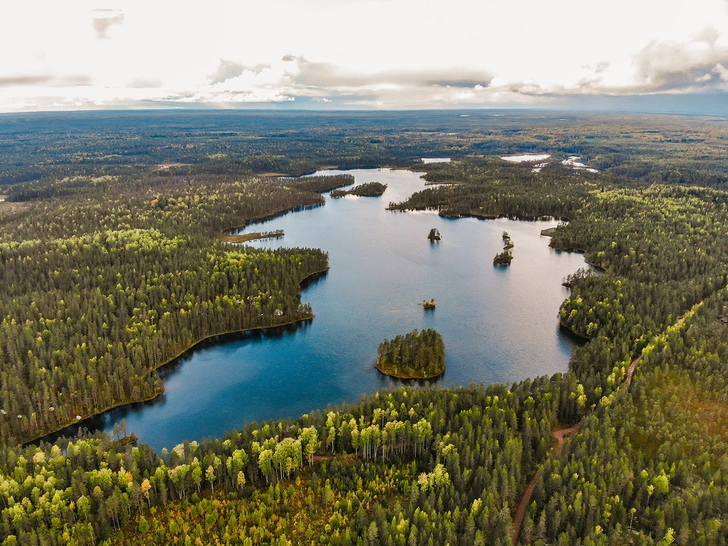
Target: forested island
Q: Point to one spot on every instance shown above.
(110, 269)
(505, 257)
(370, 189)
(416, 355)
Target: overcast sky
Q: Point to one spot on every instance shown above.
(358, 53)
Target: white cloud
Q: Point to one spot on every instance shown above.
(104, 19)
(230, 69)
(371, 53)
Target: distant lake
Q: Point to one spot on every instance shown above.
(499, 324)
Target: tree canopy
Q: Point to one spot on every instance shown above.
(416, 355)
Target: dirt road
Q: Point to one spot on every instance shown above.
(559, 434)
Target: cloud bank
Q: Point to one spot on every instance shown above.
(361, 53)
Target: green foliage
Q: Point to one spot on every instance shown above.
(662, 443)
(490, 188)
(112, 266)
(370, 189)
(414, 355)
(437, 465)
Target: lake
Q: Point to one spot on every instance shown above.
(499, 324)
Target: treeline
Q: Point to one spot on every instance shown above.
(414, 466)
(505, 257)
(664, 249)
(413, 355)
(98, 292)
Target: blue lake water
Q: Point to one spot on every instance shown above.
(499, 323)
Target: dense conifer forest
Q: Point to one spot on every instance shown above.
(415, 355)
(112, 266)
(370, 189)
(100, 290)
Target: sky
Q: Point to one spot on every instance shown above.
(362, 54)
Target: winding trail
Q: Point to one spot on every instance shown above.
(559, 434)
(678, 324)
(563, 432)
(630, 372)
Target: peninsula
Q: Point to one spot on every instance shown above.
(370, 189)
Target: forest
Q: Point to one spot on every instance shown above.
(113, 266)
(415, 355)
(41, 151)
(99, 292)
(370, 189)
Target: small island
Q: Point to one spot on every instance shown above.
(370, 189)
(434, 235)
(417, 355)
(429, 304)
(505, 257)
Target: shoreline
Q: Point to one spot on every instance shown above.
(385, 370)
(191, 347)
(498, 216)
(168, 362)
(226, 232)
(566, 328)
(271, 216)
(388, 370)
(255, 236)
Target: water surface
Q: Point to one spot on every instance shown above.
(498, 323)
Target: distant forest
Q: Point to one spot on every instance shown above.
(51, 147)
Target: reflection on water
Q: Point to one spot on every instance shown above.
(499, 324)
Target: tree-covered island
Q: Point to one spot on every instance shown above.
(434, 235)
(505, 257)
(370, 189)
(416, 355)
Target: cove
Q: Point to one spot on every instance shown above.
(499, 324)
